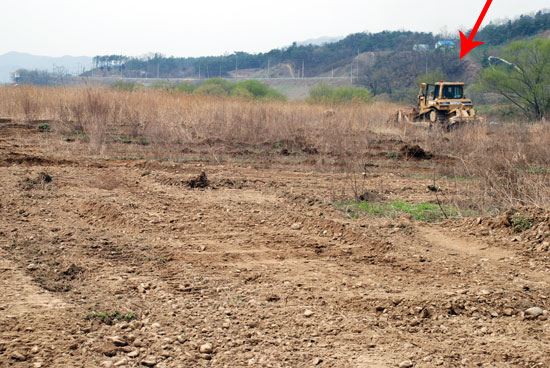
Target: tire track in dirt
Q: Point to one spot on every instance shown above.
(503, 259)
(26, 307)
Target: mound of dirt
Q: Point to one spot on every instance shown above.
(371, 196)
(41, 179)
(310, 150)
(528, 225)
(200, 181)
(414, 151)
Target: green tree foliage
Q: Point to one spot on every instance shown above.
(323, 93)
(128, 86)
(526, 83)
(246, 89)
(37, 77)
(210, 89)
(274, 95)
(326, 94)
(255, 88)
(317, 59)
(186, 87)
(109, 61)
(241, 92)
(524, 26)
(219, 86)
(431, 78)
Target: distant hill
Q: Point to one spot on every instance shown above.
(360, 55)
(12, 61)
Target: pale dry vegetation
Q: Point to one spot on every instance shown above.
(499, 166)
(503, 166)
(166, 119)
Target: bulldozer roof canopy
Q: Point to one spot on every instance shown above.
(449, 83)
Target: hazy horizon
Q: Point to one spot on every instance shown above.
(87, 28)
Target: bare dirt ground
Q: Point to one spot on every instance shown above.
(108, 262)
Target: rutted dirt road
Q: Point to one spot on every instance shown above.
(120, 263)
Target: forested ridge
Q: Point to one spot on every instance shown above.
(318, 59)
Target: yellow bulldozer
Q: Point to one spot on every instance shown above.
(441, 104)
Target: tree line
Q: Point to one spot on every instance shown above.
(524, 26)
(318, 59)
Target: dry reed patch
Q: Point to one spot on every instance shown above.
(509, 164)
(104, 115)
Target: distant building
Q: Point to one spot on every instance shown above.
(421, 47)
(445, 45)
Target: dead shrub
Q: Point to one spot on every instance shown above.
(95, 118)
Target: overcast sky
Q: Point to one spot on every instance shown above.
(215, 27)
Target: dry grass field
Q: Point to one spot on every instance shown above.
(166, 230)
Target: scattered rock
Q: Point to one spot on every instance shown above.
(273, 298)
(35, 349)
(108, 349)
(317, 361)
(508, 312)
(121, 362)
(118, 341)
(155, 325)
(535, 312)
(16, 355)
(406, 364)
(206, 348)
(149, 362)
(181, 339)
(133, 354)
(296, 226)
(308, 313)
(44, 177)
(425, 313)
(107, 364)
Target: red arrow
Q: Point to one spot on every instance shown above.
(468, 44)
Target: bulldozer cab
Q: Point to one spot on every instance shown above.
(430, 94)
(442, 90)
(452, 92)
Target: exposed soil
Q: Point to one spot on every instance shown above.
(108, 262)
(414, 151)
